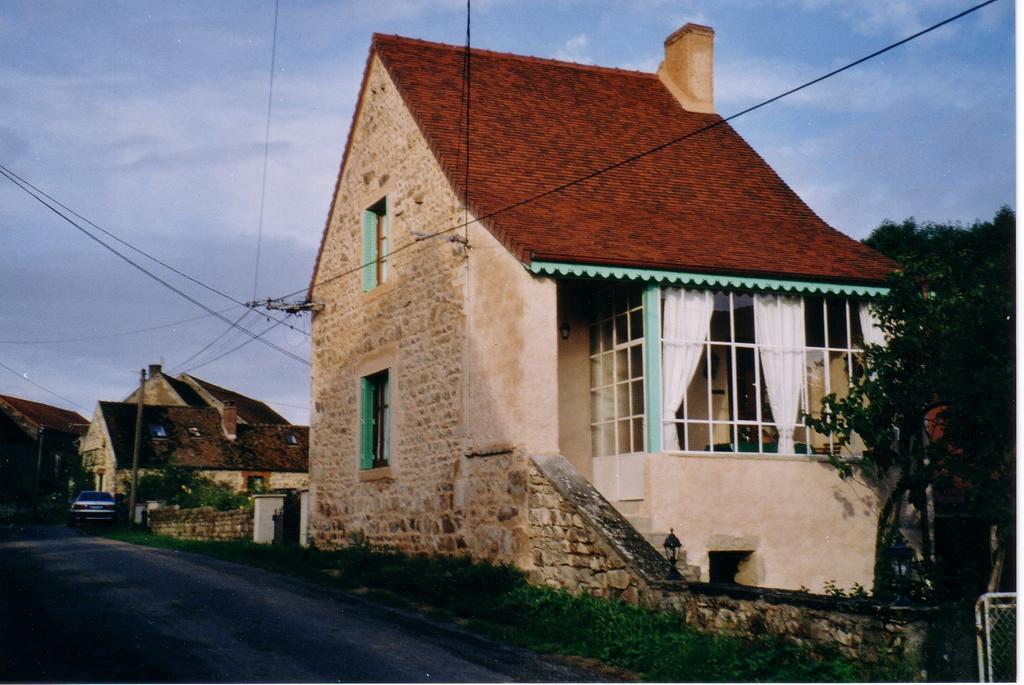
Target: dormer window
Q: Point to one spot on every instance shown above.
(375, 245)
(194, 432)
(157, 430)
(291, 439)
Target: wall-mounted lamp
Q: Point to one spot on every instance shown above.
(564, 330)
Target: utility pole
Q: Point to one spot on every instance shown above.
(40, 432)
(138, 446)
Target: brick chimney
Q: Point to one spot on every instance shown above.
(229, 417)
(688, 68)
(155, 370)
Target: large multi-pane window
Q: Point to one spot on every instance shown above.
(617, 374)
(726, 405)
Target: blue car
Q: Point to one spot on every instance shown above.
(92, 506)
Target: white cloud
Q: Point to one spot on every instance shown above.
(876, 87)
(894, 18)
(575, 50)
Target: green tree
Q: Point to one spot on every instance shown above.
(937, 408)
(188, 488)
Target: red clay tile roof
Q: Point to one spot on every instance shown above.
(37, 414)
(256, 448)
(708, 204)
(249, 410)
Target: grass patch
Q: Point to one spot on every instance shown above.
(497, 601)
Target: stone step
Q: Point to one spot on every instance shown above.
(641, 524)
(627, 508)
(689, 572)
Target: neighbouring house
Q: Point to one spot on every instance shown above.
(660, 326)
(186, 390)
(234, 439)
(38, 447)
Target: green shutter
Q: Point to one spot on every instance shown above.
(385, 235)
(365, 423)
(387, 417)
(369, 255)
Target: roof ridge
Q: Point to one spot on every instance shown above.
(37, 403)
(511, 55)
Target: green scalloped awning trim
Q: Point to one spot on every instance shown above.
(622, 273)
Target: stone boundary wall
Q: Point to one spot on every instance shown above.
(202, 523)
(859, 629)
(582, 544)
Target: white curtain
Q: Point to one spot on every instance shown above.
(873, 334)
(685, 325)
(780, 336)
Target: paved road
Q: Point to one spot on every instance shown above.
(78, 608)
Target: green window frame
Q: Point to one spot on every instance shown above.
(376, 238)
(375, 420)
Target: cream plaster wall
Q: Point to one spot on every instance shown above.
(574, 379)
(513, 351)
(804, 524)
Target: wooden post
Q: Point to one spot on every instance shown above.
(40, 432)
(137, 448)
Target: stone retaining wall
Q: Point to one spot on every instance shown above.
(582, 544)
(858, 629)
(203, 523)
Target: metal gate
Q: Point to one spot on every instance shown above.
(995, 615)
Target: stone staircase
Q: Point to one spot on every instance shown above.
(635, 511)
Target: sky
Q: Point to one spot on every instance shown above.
(149, 119)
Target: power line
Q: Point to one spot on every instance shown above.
(238, 347)
(645, 153)
(285, 404)
(25, 377)
(149, 273)
(11, 175)
(107, 336)
(210, 344)
(25, 185)
(266, 153)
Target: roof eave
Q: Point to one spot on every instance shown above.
(766, 282)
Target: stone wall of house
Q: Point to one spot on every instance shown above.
(410, 325)
(580, 543)
(275, 480)
(456, 481)
(491, 499)
(202, 523)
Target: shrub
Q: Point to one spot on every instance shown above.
(188, 488)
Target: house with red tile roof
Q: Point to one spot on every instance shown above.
(576, 262)
(38, 447)
(232, 438)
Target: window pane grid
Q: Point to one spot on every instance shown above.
(616, 381)
(730, 384)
